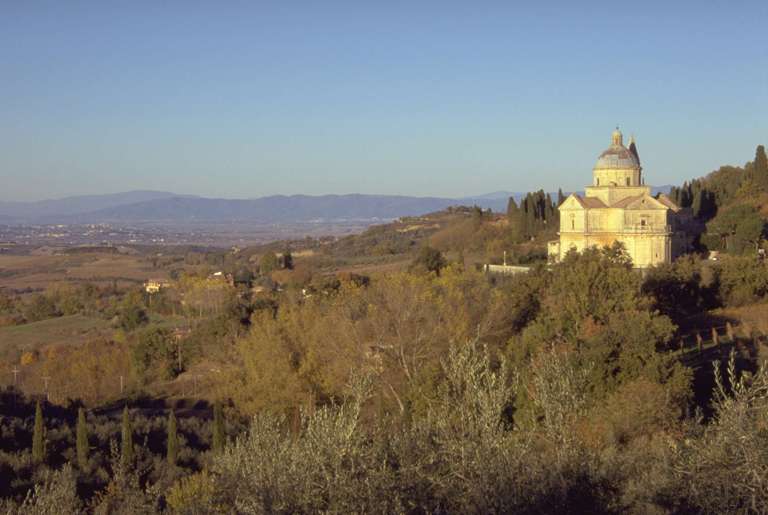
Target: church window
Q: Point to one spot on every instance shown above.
(598, 181)
(627, 181)
(642, 222)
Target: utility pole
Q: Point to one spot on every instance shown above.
(121, 385)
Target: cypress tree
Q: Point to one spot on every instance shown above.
(550, 210)
(560, 197)
(126, 449)
(528, 216)
(697, 204)
(512, 209)
(219, 436)
(82, 440)
(172, 440)
(516, 222)
(38, 436)
(760, 167)
(287, 260)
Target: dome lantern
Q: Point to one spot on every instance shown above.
(617, 140)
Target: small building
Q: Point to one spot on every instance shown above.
(505, 269)
(155, 285)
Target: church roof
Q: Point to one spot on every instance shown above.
(668, 202)
(592, 202)
(642, 201)
(617, 156)
(589, 202)
(627, 201)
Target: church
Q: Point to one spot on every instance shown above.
(618, 206)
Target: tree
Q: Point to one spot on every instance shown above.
(172, 452)
(723, 469)
(760, 168)
(132, 316)
(156, 351)
(82, 440)
(126, 447)
(516, 222)
(268, 263)
(287, 260)
(38, 436)
(40, 308)
(704, 206)
(54, 492)
(431, 259)
(219, 435)
(737, 227)
(243, 276)
(749, 233)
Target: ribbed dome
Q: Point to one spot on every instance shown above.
(617, 156)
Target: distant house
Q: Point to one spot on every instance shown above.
(505, 269)
(155, 285)
(221, 276)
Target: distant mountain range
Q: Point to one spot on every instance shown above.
(77, 205)
(166, 207)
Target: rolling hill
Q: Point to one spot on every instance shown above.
(54, 208)
(166, 207)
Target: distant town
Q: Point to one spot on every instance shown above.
(212, 234)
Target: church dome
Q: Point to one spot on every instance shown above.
(617, 156)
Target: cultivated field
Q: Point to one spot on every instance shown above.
(61, 331)
(37, 272)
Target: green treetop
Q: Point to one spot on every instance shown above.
(219, 436)
(126, 447)
(38, 436)
(82, 440)
(172, 440)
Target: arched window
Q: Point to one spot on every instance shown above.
(598, 181)
(627, 181)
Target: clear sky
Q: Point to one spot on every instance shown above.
(244, 99)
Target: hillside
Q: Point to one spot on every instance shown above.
(732, 202)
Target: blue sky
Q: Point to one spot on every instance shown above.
(244, 99)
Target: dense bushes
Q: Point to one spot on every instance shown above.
(690, 286)
(466, 454)
(557, 390)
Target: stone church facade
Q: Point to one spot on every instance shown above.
(618, 206)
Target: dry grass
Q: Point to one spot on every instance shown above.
(754, 316)
(55, 331)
